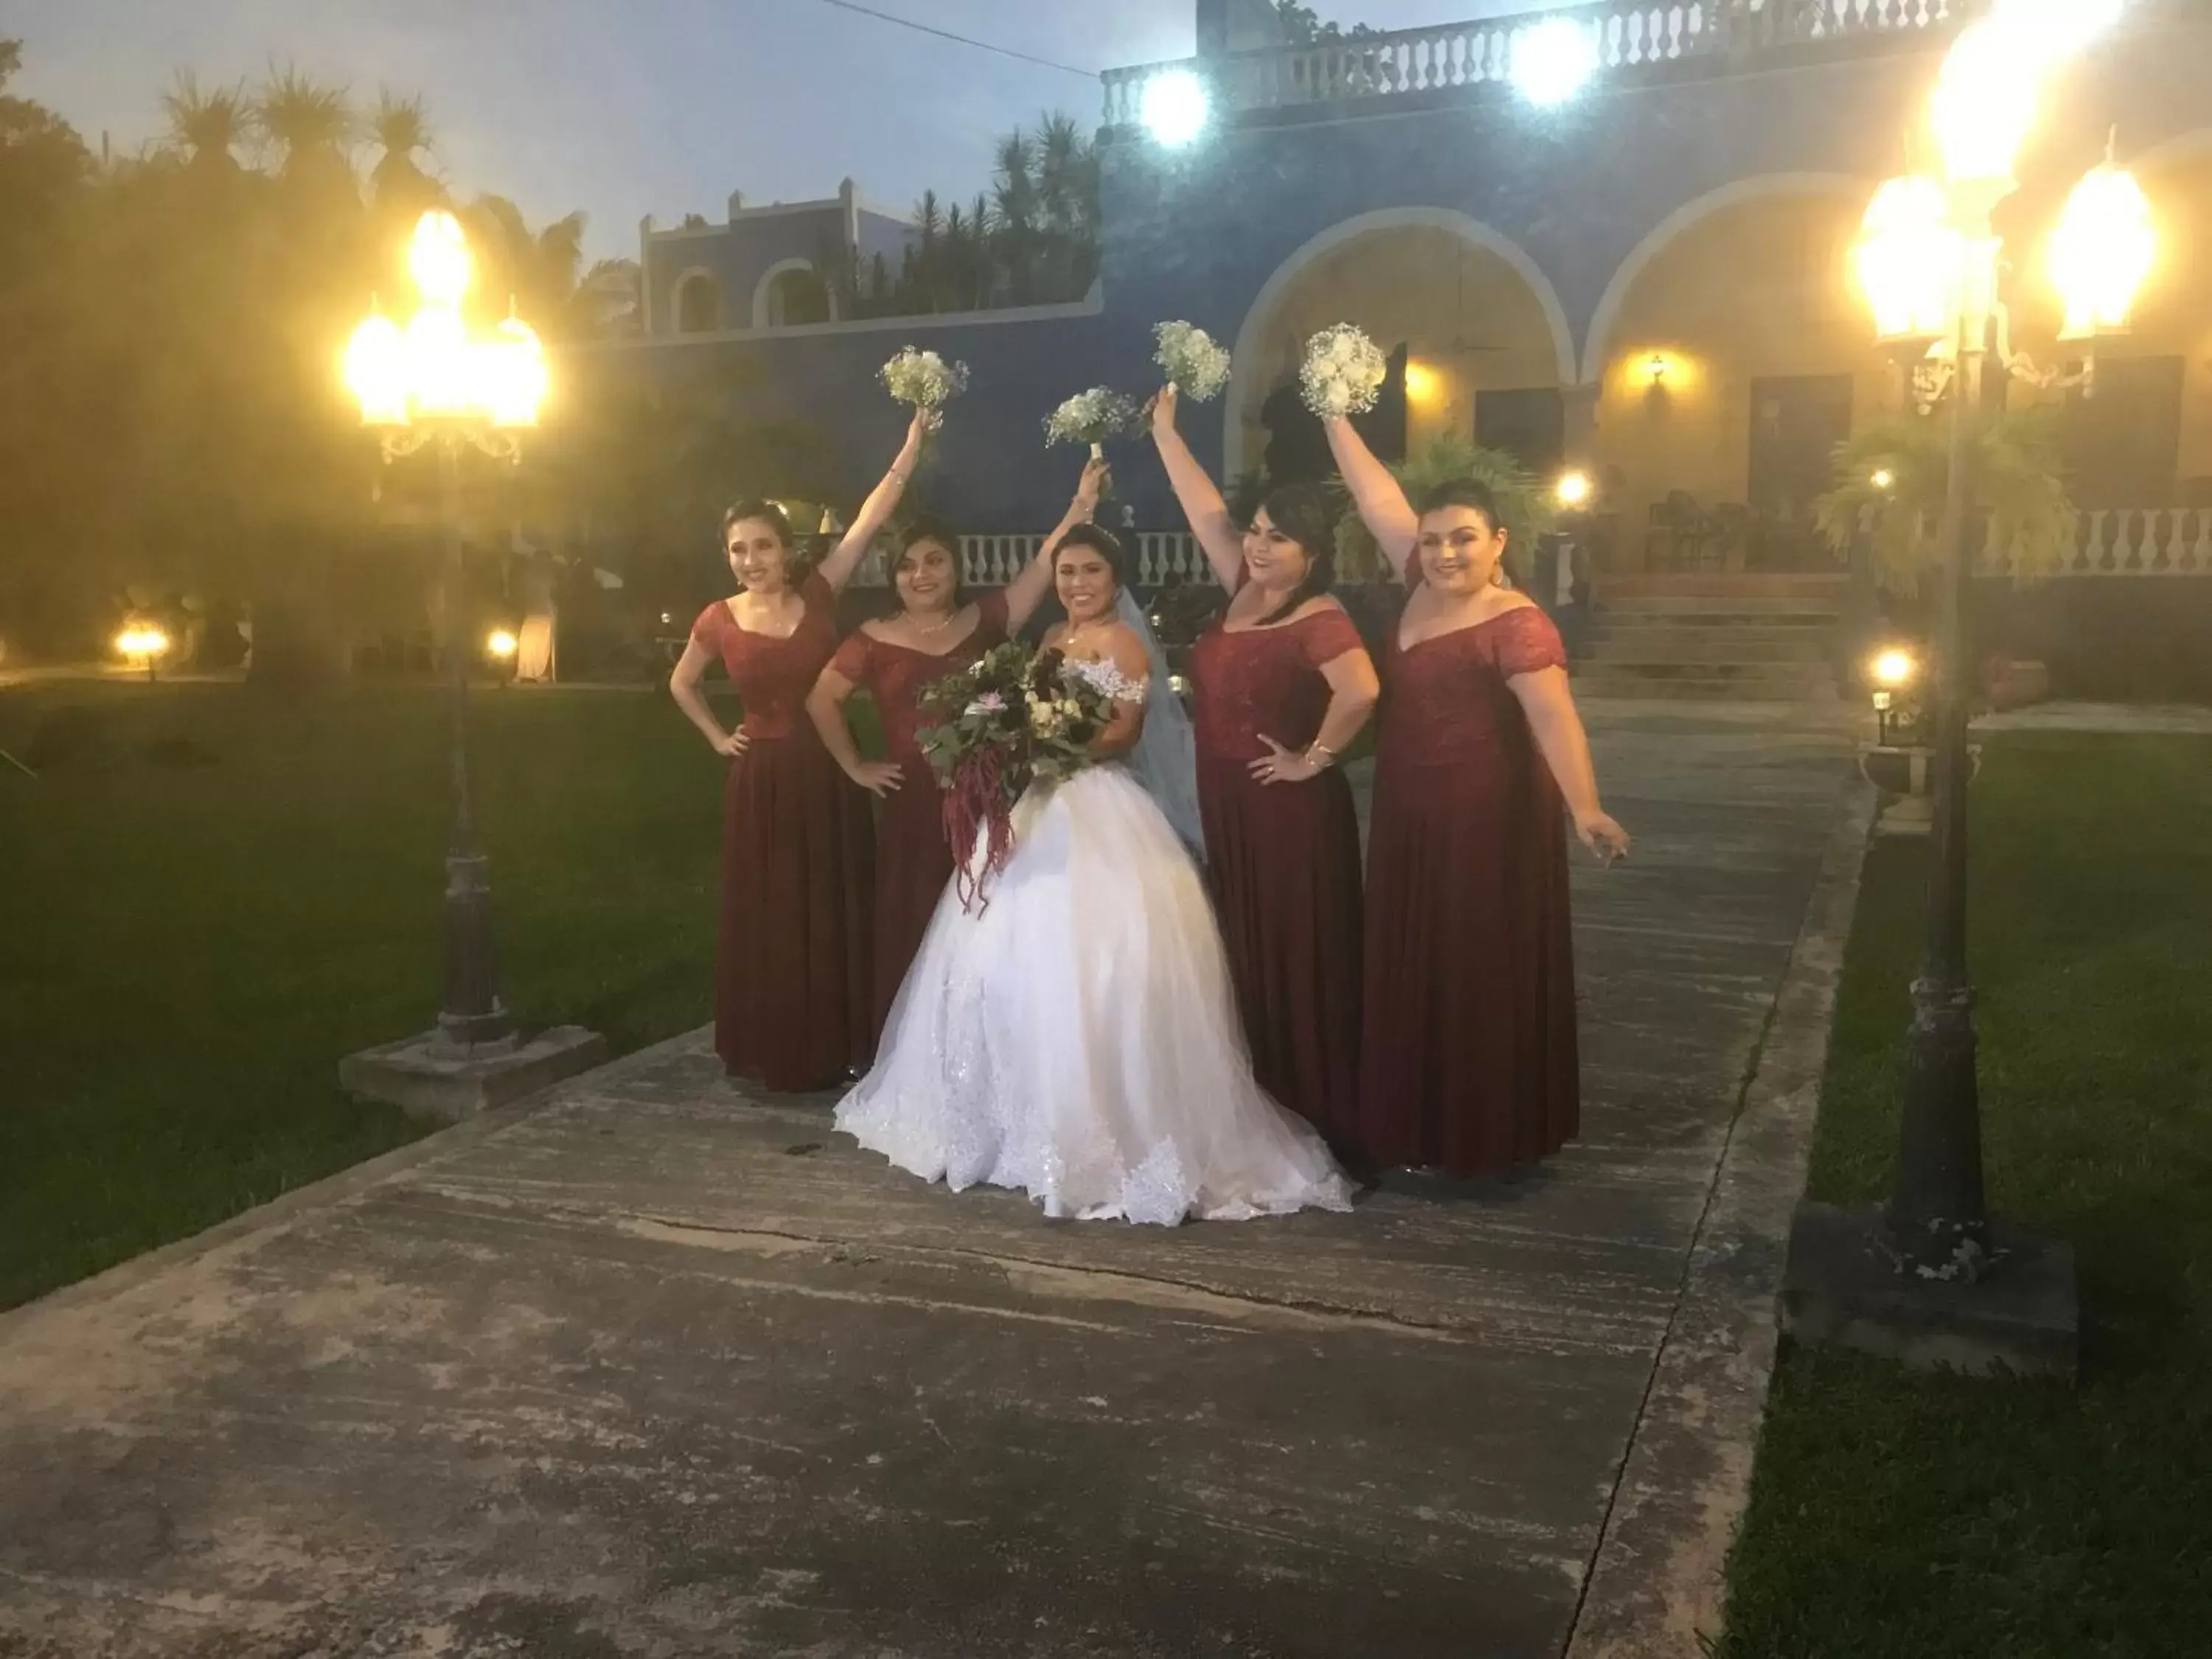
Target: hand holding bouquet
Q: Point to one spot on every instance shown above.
(1195, 364)
(925, 380)
(1342, 373)
(1090, 417)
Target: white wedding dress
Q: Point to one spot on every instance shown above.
(1074, 1035)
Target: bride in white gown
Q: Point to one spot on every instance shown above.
(1075, 1035)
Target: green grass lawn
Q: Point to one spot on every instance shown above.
(217, 894)
(1898, 1517)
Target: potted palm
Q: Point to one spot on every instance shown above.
(1891, 480)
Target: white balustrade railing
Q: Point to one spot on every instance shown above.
(994, 561)
(1627, 34)
(2129, 541)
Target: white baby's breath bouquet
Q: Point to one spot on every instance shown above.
(1195, 364)
(925, 380)
(1343, 372)
(1090, 417)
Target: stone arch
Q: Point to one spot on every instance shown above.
(698, 306)
(789, 285)
(1605, 319)
(1246, 368)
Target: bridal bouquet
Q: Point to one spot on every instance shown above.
(924, 379)
(1343, 372)
(1090, 417)
(1015, 719)
(1195, 364)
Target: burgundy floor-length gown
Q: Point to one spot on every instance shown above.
(791, 985)
(1283, 862)
(1468, 1060)
(914, 860)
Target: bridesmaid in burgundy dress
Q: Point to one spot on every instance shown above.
(791, 985)
(1468, 1061)
(1283, 684)
(937, 632)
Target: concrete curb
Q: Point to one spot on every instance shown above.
(347, 1183)
(1657, 1579)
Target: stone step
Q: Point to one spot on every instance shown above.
(1721, 612)
(1816, 589)
(1596, 682)
(1787, 679)
(1668, 644)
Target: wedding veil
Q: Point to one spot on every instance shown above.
(1165, 759)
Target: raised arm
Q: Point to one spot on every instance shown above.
(1027, 590)
(1558, 731)
(875, 512)
(1381, 503)
(1208, 514)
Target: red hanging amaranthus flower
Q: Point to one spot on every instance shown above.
(978, 805)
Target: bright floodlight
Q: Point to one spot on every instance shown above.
(1883, 479)
(1553, 62)
(1574, 489)
(1893, 669)
(502, 643)
(1175, 108)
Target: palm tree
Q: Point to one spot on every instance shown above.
(398, 186)
(210, 126)
(310, 126)
(928, 255)
(1068, 195)
(540, 270)
(1015, 192)
(1892, 475)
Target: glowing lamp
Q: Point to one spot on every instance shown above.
(502, 644)
(2102, 253)
(1574, 489)
(1553, 62)
(438, 260)
(512, 375)
(1908, 259)
(376, 370)
(1984, 101)
(1423, 384)
(1883, 479)
(438, 367)
(1175, 108)
(141, 642)
(1893, 669)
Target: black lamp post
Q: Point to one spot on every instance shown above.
(435, 383)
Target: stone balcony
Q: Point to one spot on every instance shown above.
(1629, 38)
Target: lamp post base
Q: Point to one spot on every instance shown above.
(428, 1076)
(1843, 1287)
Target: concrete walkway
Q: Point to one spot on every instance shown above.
(658, 1369)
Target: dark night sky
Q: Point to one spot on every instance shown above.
(624, 107)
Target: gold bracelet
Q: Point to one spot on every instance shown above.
(1326, 755)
